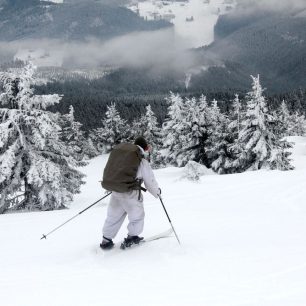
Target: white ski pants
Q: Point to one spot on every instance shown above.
(120, 206)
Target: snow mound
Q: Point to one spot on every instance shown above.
(193, 171)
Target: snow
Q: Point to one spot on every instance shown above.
(196, 33)
(243, 243)
(299, 151)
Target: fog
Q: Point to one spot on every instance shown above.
(161, 49)
(158, 48)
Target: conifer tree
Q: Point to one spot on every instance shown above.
(74, 137)
(172, 129)
(220, 141)
(289, 124)
(115, 128)
(219, 152)
(188, 130)
(205, 131)
(186, 135)
(297, 126)
(147, 126)
(215, 114)
(113, 131)
(152, 133)
(197, 132)
(96, 138)
(283, 124)
(261, 148)
(36, 171)
(90, 149)
(137, 128)
(234, 128)
(236, 117)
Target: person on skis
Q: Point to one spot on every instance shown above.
(127, 200)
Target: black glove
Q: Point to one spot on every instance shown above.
(159, 191)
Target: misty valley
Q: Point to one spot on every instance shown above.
(134, 53)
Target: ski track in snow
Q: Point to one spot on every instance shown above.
(243, 243)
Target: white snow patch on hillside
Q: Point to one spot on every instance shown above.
(193, 20)
(243, 243)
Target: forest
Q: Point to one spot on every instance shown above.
(132, 89)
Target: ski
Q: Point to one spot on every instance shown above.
(165, 234)
(162, 235)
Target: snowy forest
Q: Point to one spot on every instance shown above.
(42, 152)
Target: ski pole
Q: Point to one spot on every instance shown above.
(45, 236)
(169, 219)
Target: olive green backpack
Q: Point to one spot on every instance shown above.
(121, 168)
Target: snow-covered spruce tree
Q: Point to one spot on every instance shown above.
(73, 136)
(147, 126)
(261, 148)
(137, 128)
(113, 131)
(236, 116)
(297, 125)
(283, 120)
(97, 140)
(90, 149)
(206, 130)
(195, 131)
(290, 124)
(36, 172)
(152, 133)
(172, 129)
(219, 141)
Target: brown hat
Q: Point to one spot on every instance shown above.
(140, 141)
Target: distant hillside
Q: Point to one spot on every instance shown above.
(28, 19)
(266, 43)
(133, 89)
(232, 22)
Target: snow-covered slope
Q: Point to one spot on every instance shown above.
(243, 243)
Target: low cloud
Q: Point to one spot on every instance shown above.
(159, 48)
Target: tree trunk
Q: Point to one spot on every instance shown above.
(28, 196)
(3, 204)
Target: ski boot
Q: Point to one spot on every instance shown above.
(129, 241)
(106, 244)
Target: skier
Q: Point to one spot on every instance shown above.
(128, 203)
